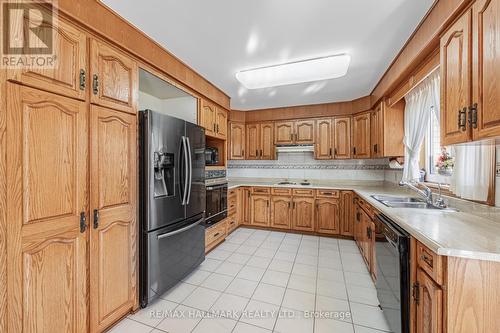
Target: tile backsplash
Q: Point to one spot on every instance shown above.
(304, 166)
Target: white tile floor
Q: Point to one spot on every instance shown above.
(264, 281)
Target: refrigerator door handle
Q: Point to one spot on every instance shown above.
(190, 174)
(175, 232)
(186, 170)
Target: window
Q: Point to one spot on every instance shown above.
(433, 150)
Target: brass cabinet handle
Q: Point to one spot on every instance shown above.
(427, 259)
(83, 79)
(83, 225)
(96, 219)
(462, 119)
(95, 84)
(473, 116)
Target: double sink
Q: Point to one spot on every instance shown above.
(408, 202)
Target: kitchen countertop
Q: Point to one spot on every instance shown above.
(473, 232)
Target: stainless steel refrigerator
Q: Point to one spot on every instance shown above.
(172, 202)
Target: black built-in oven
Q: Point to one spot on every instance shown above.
(392, 251)
(216, 204)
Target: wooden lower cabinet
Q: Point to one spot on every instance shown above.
(429, 307)
(247, 205)
(281, 212)
(113, 230)
(260, 210)
(346, 213)
(328, 216)
(303, 214)
(215, 235)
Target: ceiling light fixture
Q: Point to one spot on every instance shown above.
(316, 69)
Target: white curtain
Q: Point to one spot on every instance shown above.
(420, 102)
(472, 173)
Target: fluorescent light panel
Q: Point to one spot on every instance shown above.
(309, 70)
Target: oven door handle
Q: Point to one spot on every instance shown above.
(176, 232)
(190, 167)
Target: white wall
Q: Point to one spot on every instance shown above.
(303, 166)
(180, 107)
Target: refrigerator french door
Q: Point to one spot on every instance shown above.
(172, 201)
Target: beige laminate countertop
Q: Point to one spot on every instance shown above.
(473, 232)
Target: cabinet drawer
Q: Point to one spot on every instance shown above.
(232, 223)
(261, 190)
(231, 193)
(281, 191)
(215, 233)
(232, 202)
(431, 263)
(303, 192)
(328, 193)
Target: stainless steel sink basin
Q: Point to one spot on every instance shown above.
(287, 183)
(408, 202)
(389, 199)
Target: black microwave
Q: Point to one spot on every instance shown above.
(211, 156)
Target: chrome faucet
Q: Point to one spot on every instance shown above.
(426, 193)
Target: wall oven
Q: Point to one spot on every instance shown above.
(216, 203)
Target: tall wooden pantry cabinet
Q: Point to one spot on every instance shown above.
(70, 178)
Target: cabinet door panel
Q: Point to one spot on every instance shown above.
(376, 130)
(47, 171)
(281, 216)
(117, 82)
(260, 210)
(361, 136)
(253, 142)
(208, 117)
(113, 194)
(455, 81)
(327, 216)
(347, 214)
(304, 132)
(284, 132)
(303, 214)
(323, 148)
(486, 67)
(70, 49)
(237, 141)
(342, 138)
(221, 123)
(429, 308)
(267, 139)
(247, 206)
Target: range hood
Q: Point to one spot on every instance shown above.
(295, 148)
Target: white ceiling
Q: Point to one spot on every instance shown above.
(220, 37)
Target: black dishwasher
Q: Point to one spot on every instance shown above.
(392, 252)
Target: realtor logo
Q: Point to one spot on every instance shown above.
(28, 38)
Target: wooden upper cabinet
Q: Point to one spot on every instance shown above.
(252, 141)
(113, 78)
(486, 65)
(221, 123)
(260, 210)
(361, 136)
(430, 305)
(208, 114)
(323, 148)
(284, 132)
(347, 213)
(46, 176)
(342, 138)
(237, 141)
(328, 216)
(456, 81)
(303, 214)
(281, 212)
(304, 132)
(376, 132)
(267, 141)
(113, 236)
(69, 76)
